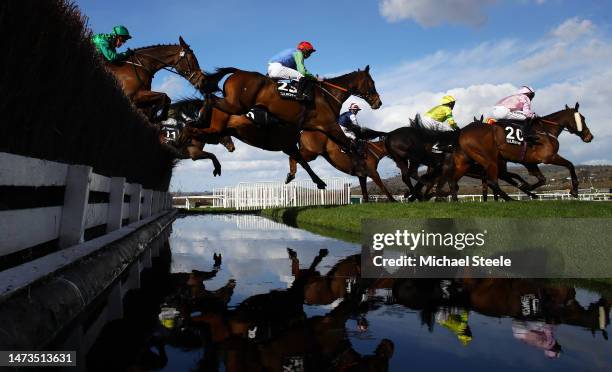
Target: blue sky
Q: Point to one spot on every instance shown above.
(418, 50)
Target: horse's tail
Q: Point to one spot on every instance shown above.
(211, 81)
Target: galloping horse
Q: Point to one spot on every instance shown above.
(280, 136)
(136, 74)
(244, 90)
(313, 144)
(486, 145)
(188, 145)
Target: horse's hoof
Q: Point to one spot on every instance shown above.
(323, 252)
(290, 177)
(216, 172)
(534, 196)
(321, 186)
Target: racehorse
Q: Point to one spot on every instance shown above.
(486, 145)
(277, 136)
(244, 90)
(136, 74)
(313, 144)
(189, 145)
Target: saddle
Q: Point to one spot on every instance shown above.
(297, 90)
(518, 132)
(262, 118)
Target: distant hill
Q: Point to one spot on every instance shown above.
(596, 176)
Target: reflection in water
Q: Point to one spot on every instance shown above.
(248, 296)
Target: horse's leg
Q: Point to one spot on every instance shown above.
(306, 155)
(364, 188)
(292, 170)
(376, 178)
(537, 173)
(485, 189)
(156, 101)
(491, 170)
(296, 154)
(557, 159)
(403, 167)
(196, 153)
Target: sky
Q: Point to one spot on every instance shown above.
(418, 50)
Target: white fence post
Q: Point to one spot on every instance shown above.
(115, 204)
(135, 194)
(146, 203)
(76, 197)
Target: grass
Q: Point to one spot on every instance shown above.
(344, 222)
(348, 218)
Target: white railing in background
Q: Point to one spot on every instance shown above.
(24, 228)
(260, 195)
(586, 195)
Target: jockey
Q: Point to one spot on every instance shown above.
(434, 119)
(106, 44)
(515, 107)
(348, 121)
(289, 64)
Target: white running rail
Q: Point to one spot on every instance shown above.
(260, 195)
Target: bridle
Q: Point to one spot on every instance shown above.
(351, 92)
(189, 74)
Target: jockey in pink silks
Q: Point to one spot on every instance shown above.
(515, 107)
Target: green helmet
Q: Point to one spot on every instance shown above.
(122, 31)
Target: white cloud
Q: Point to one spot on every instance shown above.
(432, 13)
(174, 86)
(573, 28)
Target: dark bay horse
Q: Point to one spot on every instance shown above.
(486, 145)
(244, 90)
(313, 144)
(187, 144)
(135, 75)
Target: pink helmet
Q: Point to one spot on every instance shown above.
(525, 89)
(354, 106)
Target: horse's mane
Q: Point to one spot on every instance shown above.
(155, 46)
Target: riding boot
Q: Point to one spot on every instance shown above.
(531, 139)
(304, 89)
(361, 149)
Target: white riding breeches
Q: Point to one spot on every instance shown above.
(278, 71)
(348, 133)
(433, 124)
(502, 112)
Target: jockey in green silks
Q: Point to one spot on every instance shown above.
(107, 44)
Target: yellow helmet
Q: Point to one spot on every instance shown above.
(447, 99)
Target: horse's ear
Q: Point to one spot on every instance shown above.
(566, 107)
(182, 42)
(367, 69)
(475, 118)
(577, 106)
(481, 118)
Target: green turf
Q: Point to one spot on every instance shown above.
(348, 218)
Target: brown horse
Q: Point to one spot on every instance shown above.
(136, 75)
(486, 145)
(244, 90)
(276, 137)
(313, 144)
(187, 144)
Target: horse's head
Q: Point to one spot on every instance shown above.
(186, 64)
(574, 121)
(363, 86)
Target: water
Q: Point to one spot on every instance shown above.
(501, 325)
